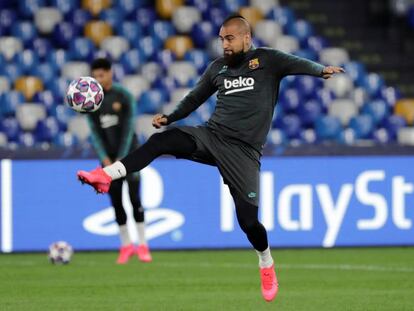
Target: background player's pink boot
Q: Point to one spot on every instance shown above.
(270, 285)
(97, 179)
(143, 253)
(124, 253)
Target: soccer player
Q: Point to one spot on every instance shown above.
(247, 81)
(113, 136)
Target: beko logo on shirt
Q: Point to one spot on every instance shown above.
(238, 85)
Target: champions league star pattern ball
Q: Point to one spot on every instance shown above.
(84, 95)
(60, 252)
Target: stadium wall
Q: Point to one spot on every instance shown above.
(305, 202)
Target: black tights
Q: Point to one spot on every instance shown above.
(115, 193)
(177, 143)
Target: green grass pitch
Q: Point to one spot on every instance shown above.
(311, 279)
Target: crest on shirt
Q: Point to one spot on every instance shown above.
(116, 106)
(223, 69)
(254, 63)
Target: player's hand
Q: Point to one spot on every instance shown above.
(159, 120)
(106, 162)
(329, 71)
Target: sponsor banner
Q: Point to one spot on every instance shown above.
(304, 202)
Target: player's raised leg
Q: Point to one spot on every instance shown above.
(173, 142)
(247, 216)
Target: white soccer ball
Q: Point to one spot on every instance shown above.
(84, 95)
(60, 252)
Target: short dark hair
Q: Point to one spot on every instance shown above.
(237, 16)
(101, 63)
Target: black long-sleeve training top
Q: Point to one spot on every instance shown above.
(247, 94)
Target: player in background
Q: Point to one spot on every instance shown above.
(247, 81)
(113, 137)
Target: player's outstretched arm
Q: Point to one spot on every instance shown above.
(329, 71)
(159, 120)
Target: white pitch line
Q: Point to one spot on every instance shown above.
(207, 265)
(6, 206)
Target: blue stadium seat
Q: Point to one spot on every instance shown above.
(132, 60)
(316, 43)
(58, 58)
(300, 29)
(27, 60)
(291, 99)
(11, 71)
(377, 109)
(26, 139)
(10, 127)
(118, 71)
(113, 17)
(63, 114)
(47, 99)
(216, 17)
(149, 46)
(381, 136)
(167, 84)
(145, 17)
(161, 30)
(373, 84)
(363, 126)
(9, 102)
(63, 34)
(82, 49)
(324, 96)
(24, 30)
(309, 112)
(307, 53)
(65, 6)
(308, 136)
(46, 130)
(291, 125)
(7, 18)
(356, 71)
(390, 95)
(165, 58)
(231, 6)
(66, 140)
(328, 128)
(46, 72)
(276, 137)
(284, 16)
(58, 87)
(202, 33)
(42, 46)
(392, 124)
(131, 31)
(199, 58)
(128, 7)
(203, 6)
(101, 54)
(28, 7)
(78, 18)
(151, 101)
(307, 85)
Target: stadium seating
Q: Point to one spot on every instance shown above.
(405, 109)
(28, 86)
(159, 49)
(96, 6)
(46, 18)
(179, 45)
(165, 8)
(28, 114)
(98, 31)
